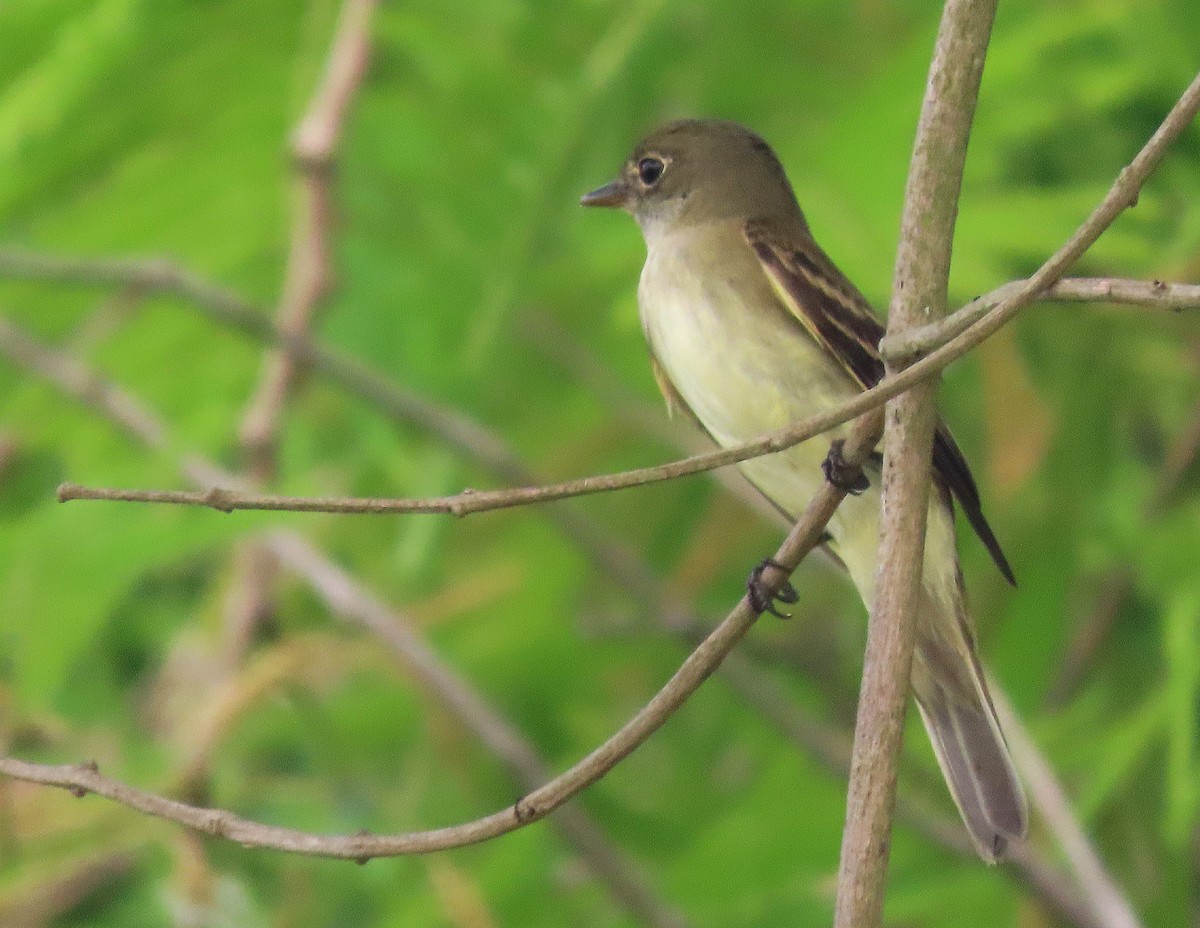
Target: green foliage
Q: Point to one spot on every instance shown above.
(131, 127)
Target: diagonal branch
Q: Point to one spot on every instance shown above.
(1099, 891)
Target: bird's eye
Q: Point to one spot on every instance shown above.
(650, 170)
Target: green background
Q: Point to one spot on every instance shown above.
(467, 272)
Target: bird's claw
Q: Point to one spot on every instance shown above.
(842, 475)
(761, 599)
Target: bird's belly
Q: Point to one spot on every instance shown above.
(745, 371)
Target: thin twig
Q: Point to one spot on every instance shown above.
(309, 275)
(1101, 894)
(918, 293)
(308, 280)
(1150, 294)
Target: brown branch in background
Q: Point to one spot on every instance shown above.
(10, 450)
(308, 280)
(231, 697)
(76, 380)
(1099, 891)
(1089, 632)
(309, 276)
(1181, 455)
(71, 886)
(1092, 628)
(248, 602)
(163, 276)
(831, 747)
(918, 293)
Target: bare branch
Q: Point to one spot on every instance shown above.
(77, 380)
(918, 293)
(1151, 294)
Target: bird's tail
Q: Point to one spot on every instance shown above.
(957, 710)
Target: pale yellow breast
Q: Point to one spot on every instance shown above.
(738, 360)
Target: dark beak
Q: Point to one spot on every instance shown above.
(613, 194)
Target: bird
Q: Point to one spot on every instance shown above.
(751, 326)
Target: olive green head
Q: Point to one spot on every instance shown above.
(699, 170)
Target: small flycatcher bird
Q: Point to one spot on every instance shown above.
(752, 327)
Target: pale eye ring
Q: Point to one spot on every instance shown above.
(650, 170)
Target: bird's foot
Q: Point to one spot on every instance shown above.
(761, 598)
(842, 475)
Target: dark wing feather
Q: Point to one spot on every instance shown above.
(833, 312)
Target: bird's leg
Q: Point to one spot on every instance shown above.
(846, 478)
(761, 599)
